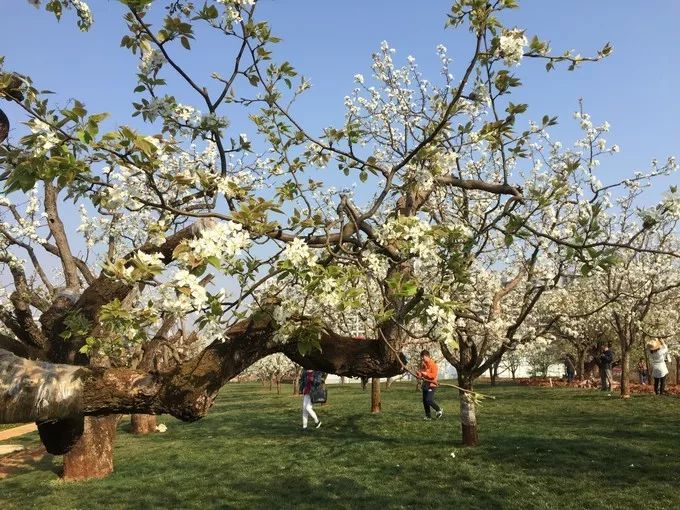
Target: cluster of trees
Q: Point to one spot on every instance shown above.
(273, 370)
(204, 247)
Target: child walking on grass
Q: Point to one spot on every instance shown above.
(309, 381)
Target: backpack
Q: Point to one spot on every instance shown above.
(319, 394)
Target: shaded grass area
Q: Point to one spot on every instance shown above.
(540, 448)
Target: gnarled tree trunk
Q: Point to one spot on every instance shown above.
(92, 454)
(143, 424)
(375, 395)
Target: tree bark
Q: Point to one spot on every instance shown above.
(364, 382)
(493, 371)
(92, 455)
(468, 415)
(143, 424)
(625, 372)
(375, 395)
(4, 126)
(580, 364)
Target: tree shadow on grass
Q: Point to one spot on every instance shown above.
(353, 428)
(611, 460)
(342, 492)
(31, 459)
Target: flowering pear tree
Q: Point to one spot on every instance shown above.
(579, 313)
(645, 298)
(272, 369)
(513, 360)
(238, 231)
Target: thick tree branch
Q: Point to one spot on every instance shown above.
(474, 184)
(59, 233)
(38, 391)
(16, 347)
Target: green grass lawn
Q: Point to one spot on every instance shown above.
(4, 426)
(540, 448)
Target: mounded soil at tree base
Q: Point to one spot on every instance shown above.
(546, 382)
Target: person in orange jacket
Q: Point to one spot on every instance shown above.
(428, 373)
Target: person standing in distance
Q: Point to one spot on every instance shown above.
(428, 373)
(657, 350)
(605, 360)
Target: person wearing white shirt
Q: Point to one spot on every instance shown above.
(657, 350)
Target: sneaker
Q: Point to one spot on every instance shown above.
(427, 418)
(318, 425)
(440, 413)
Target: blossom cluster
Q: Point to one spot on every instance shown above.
(221, 241)
(45, 137)
(511, 46)
(299, 254)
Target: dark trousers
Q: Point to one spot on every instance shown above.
(428, 399)
(570, 374)
(659, 385)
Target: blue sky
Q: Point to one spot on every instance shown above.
(635, 89)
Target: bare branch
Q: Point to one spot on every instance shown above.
(58, 232)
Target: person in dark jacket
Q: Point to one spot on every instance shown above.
(604, 361)
(310, 380)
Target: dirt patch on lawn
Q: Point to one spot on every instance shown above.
(671, 389)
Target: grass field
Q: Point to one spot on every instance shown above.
(540, 448)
